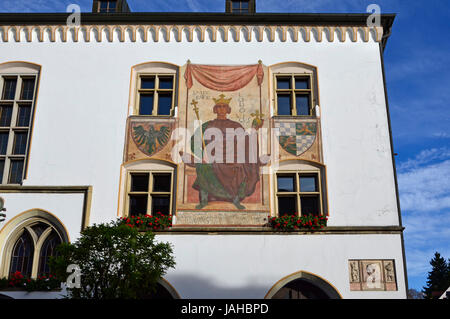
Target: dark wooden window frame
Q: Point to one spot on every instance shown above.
(149, 191)
(156, 91)
(107, 6)
(293, 92)
(298, 192)
(14, 128)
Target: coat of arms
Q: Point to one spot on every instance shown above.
(151, 138)
(296, 138)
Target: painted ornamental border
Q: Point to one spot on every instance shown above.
(189, 33)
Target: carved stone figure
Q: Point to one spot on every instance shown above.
(389, 271)
(354, 271)
(373, 281)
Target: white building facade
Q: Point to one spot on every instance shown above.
(72, 98)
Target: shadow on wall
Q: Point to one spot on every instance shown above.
(192, 286)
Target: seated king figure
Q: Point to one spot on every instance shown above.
(230, 182)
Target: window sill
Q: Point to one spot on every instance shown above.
(294, 117)
(152, 116)
(24, 290)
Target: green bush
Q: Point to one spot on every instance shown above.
(116, 261)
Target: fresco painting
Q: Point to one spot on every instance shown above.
(219, 98)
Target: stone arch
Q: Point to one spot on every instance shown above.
(169, 288)
(130, 34)
(304, 284)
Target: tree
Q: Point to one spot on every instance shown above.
(116, 261)
(414, 294)
(438, 278)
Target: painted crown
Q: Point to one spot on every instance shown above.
(222, 100)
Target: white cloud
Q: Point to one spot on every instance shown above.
(424, 157)
(425, 188)
(441, 135)
(193, 5)
(427, 229)
(417, 63)
(418, 261)
(25, 6)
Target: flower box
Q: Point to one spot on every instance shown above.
(296, 223)
(147, 222)
(18, 282)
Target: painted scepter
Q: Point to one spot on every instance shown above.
(196, 111)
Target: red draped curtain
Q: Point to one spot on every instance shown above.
(223, 78)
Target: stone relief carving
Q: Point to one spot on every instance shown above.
(372, 275)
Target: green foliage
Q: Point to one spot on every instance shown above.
(18, 281)
(438, 278)
(292, 222)
(116, 261)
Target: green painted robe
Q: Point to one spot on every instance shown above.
(225, 181)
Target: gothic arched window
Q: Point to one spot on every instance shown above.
(32, 247)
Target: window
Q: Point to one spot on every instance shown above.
(240, 6)
(48, 250)
(156, 94)
(107, 6)
(22, 255)
(293, 94)
(16, 109)
(149, 193)
(299, 192)
(32, 250)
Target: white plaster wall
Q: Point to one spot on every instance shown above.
(68, 208)
(247, 266)
(79, 130)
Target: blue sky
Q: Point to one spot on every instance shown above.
(417, 60)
